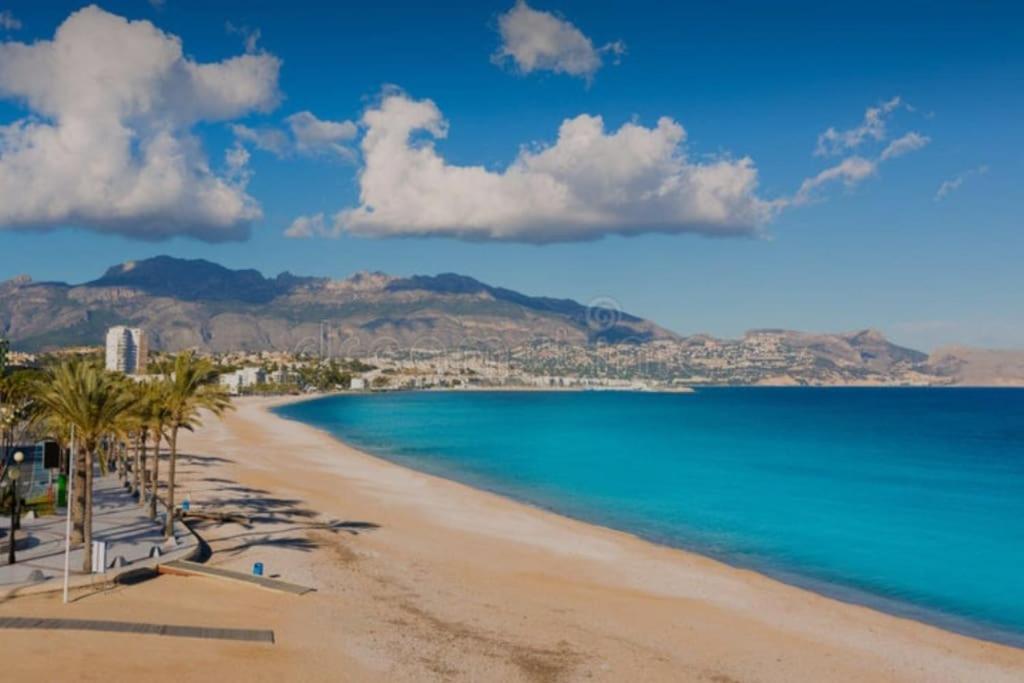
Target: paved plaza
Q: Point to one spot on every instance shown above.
(118, 519)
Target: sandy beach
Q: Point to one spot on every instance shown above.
(420, 578)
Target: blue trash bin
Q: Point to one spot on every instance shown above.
(257, 569)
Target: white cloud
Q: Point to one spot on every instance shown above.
(873, 127)
(849, 171)
(8, 21)
(534, 40)
(108, 144)
(910, 142)
(589, 183)
(953, 184)
(856, 168)
(273, 140)
(304, 227)
(305, 135)
(236, 159)
(250, 36)
(313, 135)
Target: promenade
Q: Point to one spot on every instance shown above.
(118, 520)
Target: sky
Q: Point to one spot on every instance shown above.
(715, 167)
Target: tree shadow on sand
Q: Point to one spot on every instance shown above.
(262, 519)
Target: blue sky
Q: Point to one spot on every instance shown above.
(743, 79)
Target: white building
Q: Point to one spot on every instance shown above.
(127, 350)
(283, 376)
(358, 384)
(244, 378)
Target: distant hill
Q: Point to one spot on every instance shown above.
(199, 304)
(196, 303)
(979, 367)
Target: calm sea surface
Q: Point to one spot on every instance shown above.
(910, 500)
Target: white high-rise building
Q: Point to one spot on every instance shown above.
(127, 350)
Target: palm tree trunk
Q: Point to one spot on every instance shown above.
(122, 463)
(169, 528)
(87, 517)
(154, 479)
(79, 499)
(137, 463)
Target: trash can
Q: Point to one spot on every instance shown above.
(257, 569)
(62, 491)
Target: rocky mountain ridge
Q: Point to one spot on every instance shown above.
(199, 304)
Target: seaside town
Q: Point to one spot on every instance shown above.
(278, 372)
(761, 357)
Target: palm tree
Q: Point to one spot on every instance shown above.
(191, 388)
(158, 417)
(131, 432)
(91, 400)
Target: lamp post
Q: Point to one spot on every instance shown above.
(6, 420)
(14, 473)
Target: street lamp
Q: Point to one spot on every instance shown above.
(14, 472)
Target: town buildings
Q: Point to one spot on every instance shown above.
(127, 350)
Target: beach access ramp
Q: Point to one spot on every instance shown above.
(187, 568)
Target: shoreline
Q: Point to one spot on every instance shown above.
(714, 567)
(418, 577)
(846, 594)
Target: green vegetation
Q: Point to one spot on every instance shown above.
(107, 413)
(191, 388)
(325, 376)
(80, 396)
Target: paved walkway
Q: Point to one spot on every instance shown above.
(175, 630)
(118, 520)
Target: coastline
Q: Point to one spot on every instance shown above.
(423, 578)
(822, 587)
(715, 569)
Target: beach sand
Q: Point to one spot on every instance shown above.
(420, 578)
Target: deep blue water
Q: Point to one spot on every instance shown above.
(911, 500)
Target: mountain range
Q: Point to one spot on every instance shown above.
(196, 303)
(199, 304)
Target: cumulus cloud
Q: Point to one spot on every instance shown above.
(534, 40)
(8, 21)
(108, 144)
(873, 127)
(305, 227)
(303, 134)
(953, 184)
(589, 183)
(910, 142)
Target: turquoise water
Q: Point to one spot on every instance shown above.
(910, 500)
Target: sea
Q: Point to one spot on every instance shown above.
(908, 500)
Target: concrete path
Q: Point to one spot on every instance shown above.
(40, 623)
(118, 520)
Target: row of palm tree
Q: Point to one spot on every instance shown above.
(107, 414)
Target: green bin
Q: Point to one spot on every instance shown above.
(62, 490)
